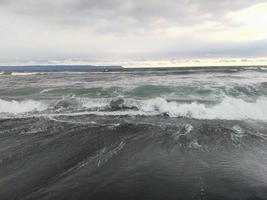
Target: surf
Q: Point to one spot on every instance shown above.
(19, 107)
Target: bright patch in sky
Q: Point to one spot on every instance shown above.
(101, 30)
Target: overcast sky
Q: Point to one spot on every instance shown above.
(131, 29)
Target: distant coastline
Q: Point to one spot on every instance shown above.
(117, 68)
(45, 68)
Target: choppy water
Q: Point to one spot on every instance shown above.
(133, 135)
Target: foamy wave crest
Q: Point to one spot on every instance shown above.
(97, 104)
(229, 108)
(25, 73)
(46, 90)
(16, 107)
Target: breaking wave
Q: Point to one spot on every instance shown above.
(25, 73)
(16, 107)
(228, 108)
(46, 90)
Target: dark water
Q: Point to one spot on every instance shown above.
(133, 135)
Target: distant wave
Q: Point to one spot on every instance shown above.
(25, 73)
(18, 107)
(46, 90)
(192, 91)
(232, 90)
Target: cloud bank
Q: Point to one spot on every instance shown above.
(131, 29)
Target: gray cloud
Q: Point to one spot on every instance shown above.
(100, 28)
(126, 12)
(220, 49)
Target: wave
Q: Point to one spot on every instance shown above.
(25, 73)
(18, 107)
(228, 108)
(232, 90)
(183, 93)
(201, 91)
(97, 104)
(47, 90)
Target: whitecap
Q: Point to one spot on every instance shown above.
(47, 90)
(229, 108)
(18, 107)
(24, 73)
(98, 103)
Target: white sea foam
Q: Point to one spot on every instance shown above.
(47, 90)
(16, 107)
(98, 103)
(24, 73)
(229, 108)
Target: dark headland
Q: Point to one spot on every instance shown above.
(118, 68)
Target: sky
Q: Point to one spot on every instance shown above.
(54, 30)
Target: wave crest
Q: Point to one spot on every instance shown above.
(26, 73)
(228, 108)
(16, 107)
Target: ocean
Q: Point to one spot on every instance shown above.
(134, 134)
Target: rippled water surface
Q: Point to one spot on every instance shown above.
(133, 135)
